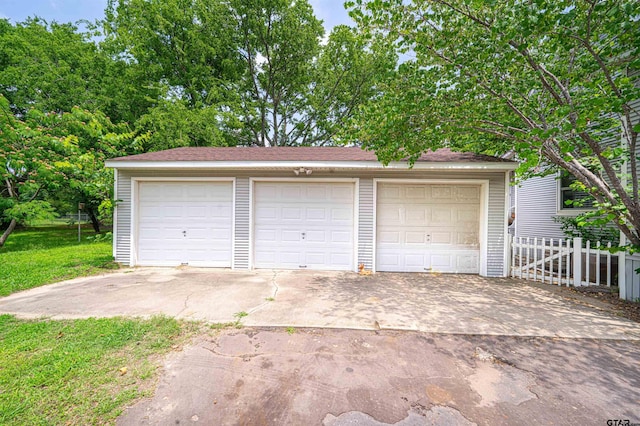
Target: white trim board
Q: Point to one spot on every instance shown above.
(266, 165)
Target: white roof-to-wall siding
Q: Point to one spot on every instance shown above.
(536, 205)
(366, 226)
(242, 224)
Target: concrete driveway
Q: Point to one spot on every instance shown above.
(452, 304)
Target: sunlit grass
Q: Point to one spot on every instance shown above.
(81, 371)
(38, 256)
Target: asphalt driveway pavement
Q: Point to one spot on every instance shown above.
(343, 377)
(452, 304)
(338, 349)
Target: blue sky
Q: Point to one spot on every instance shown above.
(330, 11)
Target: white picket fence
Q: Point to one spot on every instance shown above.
(574, 262)
(555, 261)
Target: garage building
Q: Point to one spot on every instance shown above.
(314, 208)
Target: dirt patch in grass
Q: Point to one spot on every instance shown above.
(81, 371)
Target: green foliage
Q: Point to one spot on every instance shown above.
(173, 124)
(39, 256)
(31, 211)
(49, 66)
(574, 227)
(242, 72)
(58, 158)
(546, 80)
(101, 238)
(67, 372)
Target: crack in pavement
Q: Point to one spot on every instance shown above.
(275, 293)
(185, 305)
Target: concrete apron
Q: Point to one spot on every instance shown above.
(451, 304)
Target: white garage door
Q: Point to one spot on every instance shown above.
(428, 228)
(185, 223)
(304, 225)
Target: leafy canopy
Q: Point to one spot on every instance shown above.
(550, 81)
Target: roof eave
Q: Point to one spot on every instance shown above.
(265, 165)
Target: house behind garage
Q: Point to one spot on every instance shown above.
(317, 208)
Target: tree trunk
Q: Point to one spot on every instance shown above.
(94, 221)
(5, 235)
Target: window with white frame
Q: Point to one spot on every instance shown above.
(566, 193)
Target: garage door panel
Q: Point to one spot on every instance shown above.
(316, 214)
(442, 237)
(389, 193)
(440, 262)
(415, 214)
(441, 192)
(291, 192)
(469, 214)
(468, 239)
(415, 192)
(425, 227)
(317, 193)
(441, 216)
(306, 218)
(389, 237)
(266, 214)
(468, 193)
(342, 259)
(290, 236)
(414, 260)
(342, 194)
(341, 237)
(291, 213)
(317, 236)
(413, 237)
(467, 261)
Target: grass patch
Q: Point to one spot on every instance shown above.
(71, 372)
(38, 256)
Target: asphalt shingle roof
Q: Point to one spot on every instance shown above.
(297, 154)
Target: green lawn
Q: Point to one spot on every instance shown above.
(73, 372)
(38, 256)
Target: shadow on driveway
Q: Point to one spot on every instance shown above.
(452, 304)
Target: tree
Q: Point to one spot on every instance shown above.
(27, 156)
(345, 75)
(186, 51)
(279, 41)
(54, 67)
(299, 90)
(247, 72)
(91, 138)
(550, 80)
(52, 157)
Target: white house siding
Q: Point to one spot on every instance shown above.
(536, 205)
(242, 224)
(366, 208)
(635, 117)
(366, 229)
(497, 226)
(123, 226)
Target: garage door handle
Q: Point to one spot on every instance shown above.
(303, 235)
(184, 233)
